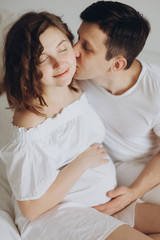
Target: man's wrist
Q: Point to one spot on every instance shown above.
(136, 192)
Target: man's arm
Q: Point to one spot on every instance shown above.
(123, 196)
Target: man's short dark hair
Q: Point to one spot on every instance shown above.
(126, 29)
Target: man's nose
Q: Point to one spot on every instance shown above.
(76, 50)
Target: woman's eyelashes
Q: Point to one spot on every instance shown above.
(63, 49)
(43, 58)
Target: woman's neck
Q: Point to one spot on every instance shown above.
(53, 96)
(58, 98)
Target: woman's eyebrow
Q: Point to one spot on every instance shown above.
(61, 42)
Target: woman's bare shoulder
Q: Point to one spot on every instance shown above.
(27, 119)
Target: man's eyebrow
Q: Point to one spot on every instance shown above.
(88, 43)
(61, 42)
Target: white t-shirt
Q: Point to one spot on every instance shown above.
(132, 120)
(34, 157)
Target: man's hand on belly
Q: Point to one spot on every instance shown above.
(120, 198)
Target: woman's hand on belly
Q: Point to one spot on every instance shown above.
(93, 156)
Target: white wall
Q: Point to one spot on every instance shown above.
(71, 9)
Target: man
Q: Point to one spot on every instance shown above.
(126, 94)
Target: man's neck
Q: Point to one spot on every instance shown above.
(118, 83)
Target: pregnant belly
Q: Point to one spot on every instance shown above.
(92, 186)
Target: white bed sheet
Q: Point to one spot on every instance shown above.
(8, 229)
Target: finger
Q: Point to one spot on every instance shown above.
(100, 207)
(105, 160)
(117, 204)
(116, 192)
(109, 208)
(112, 204)
(114, 208)
(103, 150)
(105, 206)
(95, 145)
(105, 209)
(110, 212)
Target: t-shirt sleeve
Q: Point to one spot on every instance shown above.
(157, 129)
(157, 125)
(31, 168)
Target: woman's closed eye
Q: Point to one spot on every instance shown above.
(43, 58)
(62, 49)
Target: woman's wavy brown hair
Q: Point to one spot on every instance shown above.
(21, 53)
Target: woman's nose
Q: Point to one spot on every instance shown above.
(56, 62)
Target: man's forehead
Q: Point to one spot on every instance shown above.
(86, 26)
(90, 32)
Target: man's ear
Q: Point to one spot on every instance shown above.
(118, 64)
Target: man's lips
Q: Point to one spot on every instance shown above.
(62, 74)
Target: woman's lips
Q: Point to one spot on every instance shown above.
(62, 74)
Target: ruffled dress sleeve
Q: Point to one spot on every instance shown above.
(30, 162)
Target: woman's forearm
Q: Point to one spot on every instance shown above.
(94, 156)
(55, 193)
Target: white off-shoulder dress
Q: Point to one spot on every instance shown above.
(33, 159)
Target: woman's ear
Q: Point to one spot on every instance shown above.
(118, 64)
